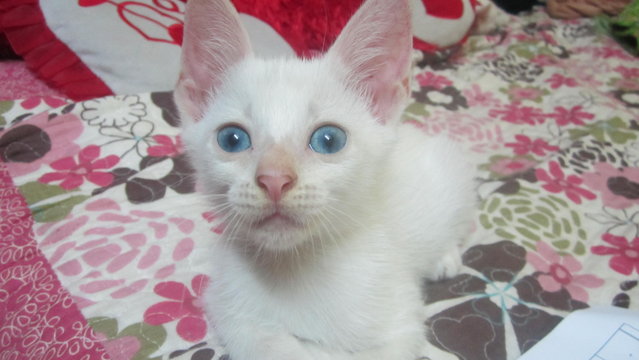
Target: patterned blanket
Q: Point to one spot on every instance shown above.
(101, 248)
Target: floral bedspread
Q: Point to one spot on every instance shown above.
(101, 247)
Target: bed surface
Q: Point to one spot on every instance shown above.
(101, 248)
(20, 83)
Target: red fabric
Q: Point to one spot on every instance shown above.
(309, 26)
(38, 318)
(22, 15)
(6, 52)
(24, 25)
(423, 45)
(446, 9)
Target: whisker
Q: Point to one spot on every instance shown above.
(236, 224)
(316, 223)
(343, 217)
(331, 232)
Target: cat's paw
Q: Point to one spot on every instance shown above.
(449, 266)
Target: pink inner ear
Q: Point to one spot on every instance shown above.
(389, 89)
(214, 40)
(376, 46)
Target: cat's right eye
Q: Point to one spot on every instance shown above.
(328, 139)
(233, 139)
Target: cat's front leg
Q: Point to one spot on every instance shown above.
(406, 342)
(252, 342)
(390, 352)
(449, 266)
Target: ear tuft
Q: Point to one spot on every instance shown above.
(376, 49)
(214, 41)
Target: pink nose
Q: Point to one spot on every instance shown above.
(275, 185)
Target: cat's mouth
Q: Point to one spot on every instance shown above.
(277, 230)
(277, 219)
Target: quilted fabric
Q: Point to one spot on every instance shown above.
(19, 83)
(39, 317)
(546, 108)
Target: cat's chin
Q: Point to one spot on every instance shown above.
(278, 232)
(278, 241)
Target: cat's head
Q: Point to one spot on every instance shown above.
(289, 150)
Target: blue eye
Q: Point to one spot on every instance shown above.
(328, 140)
(233, 139)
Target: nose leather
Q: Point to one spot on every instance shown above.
(275, 185)
(275, 172)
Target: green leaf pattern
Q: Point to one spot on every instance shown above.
(140, 340)
(532, 215)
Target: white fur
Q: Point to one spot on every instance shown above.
(345, 281)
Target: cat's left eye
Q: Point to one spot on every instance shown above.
(328, 139)
(233, 139)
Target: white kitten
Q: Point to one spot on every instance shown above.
(334, 212)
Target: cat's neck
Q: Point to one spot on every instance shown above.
(308, 259)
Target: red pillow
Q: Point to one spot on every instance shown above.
(92, 48)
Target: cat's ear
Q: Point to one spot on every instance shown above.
(376, 49)
(214, 40)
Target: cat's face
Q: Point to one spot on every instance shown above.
(290, 151)
(288, 154)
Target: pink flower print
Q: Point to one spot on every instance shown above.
(211, 217)
(509, 166)
(476, 97)
(43, 141)
(165, 146)
(516, 114)
(558, 80)
(625, 254)
(627, 72)
(525, 145)
(519, 94)
(619, 188)
(72, 172)
(561, 272)
(544, 60)
(574, 115)
(522, 37)
(51, 101)
(183, 307)
(433, 80)
(556, 182)
(548, 38)
(611, 52)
